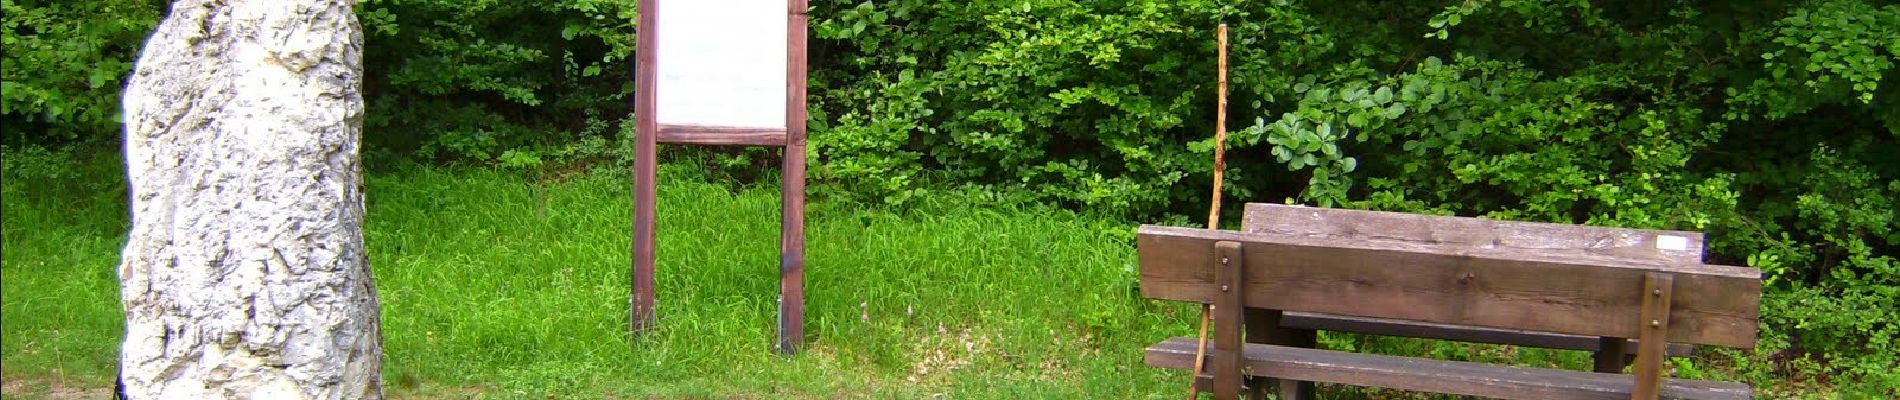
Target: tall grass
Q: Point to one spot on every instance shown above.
(522, 288)
(62, 223)
(498, 286)
(495, 285)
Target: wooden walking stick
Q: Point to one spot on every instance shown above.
(1213, 211)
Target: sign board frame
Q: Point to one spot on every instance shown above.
(650, 132)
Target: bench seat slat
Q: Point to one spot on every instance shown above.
(1473, 334)
(1452, 377)
(1715, 305)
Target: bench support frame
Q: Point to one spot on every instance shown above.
(1229, 316)
(1232, 320)
(1658, 288)
(1264, 326)
(1610, 355)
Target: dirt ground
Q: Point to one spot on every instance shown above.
(50, 389)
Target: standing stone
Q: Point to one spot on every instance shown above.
(244, 276)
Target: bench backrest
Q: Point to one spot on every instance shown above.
(1464, 271)
(1548, 238)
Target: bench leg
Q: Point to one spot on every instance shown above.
(1299, 390)
(1610, 355)
(1263, 326)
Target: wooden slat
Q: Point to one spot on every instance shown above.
(1579, 294)
(1657, 289)
(1397, 327)
(1454, 232)
(1632, 244)
(721, 135)
(1462, 378)
(1228, 320)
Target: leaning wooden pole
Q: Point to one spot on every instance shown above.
(1220, 132)
(1213, 209)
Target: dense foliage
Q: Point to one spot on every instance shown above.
(1763, 123)
(471, 80)
(62, 63)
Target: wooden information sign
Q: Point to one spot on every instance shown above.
(723, 72)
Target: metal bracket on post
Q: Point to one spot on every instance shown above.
(1229, 317)
(1654, 336)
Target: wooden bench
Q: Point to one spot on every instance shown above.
(1611, 354)
(1544, 285)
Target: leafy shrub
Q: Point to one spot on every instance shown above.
(1080, 102)
(470, 80)
(63, 65)
(1764, 125)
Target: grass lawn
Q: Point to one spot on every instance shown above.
(498, 286)
(495, 286)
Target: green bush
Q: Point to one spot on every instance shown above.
(1763, 124)
(456, 80)
(63, 65)
(1079, 102)
(445, 80)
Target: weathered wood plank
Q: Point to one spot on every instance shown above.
(1581, 294)
(1228, 320)
(1634, 244)
(721, 135)
(1452, 377)
(1546, 238)
(1657, 289)
(1473, 334)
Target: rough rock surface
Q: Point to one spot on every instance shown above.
(244, 276)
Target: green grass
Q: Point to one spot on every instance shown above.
(525, 292)
(493, 284)
(498, 286)
(60, 236)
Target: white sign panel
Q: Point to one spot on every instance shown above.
(1672, 242)
(721, 63)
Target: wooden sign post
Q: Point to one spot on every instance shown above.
(723, 72)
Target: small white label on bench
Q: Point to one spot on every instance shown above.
(1672, 242)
